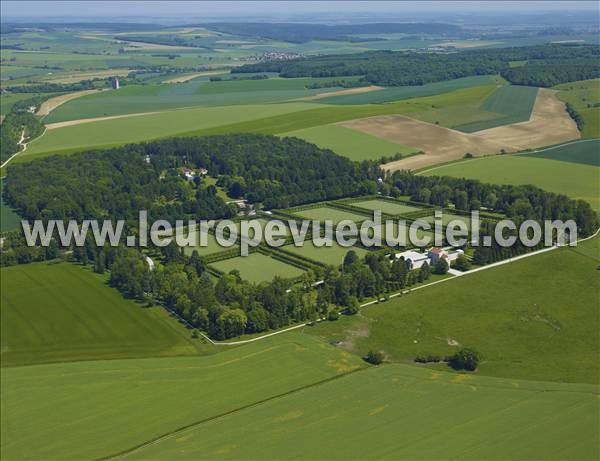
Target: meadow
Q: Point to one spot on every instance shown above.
(257, 268)
(534, 319)
(512, 103)
(585, 98)
(401, 412)
(63, 312)
(350, 143)
(545, 169)
(90, 410)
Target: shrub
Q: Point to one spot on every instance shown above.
(333, 315)
(374, 357)
(465, 359)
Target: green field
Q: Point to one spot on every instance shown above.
(401, 412)
(197, 92)
(350, 143)
(385, 206)
(9, 220)
(535, 319)
(257, 268)
(406, 92)
(325, 213)
(586, 152)
(89, 410)
(142, 128)
(585, 98)
(63, 312)
(333, 254)
(576, 180)
(512, 103)
(448, 109)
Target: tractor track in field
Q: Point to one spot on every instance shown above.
(191, 426)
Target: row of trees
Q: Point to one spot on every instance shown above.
(547, 65)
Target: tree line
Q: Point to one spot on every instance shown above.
(546, 65)
(19, 121)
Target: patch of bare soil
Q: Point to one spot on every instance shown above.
(185, 78)
(361, 89)
(53, 126)
(549, 124)
(439, 144)
(50, 104)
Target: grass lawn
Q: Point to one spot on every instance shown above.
(330, 214)
(63, 312)
(585, 98)
(535, 319)
(575, 180)
(403, 413)
(350, 143)
(329, 255)
(257, 268)
(512, 103)
(89, 410)
(385, 206)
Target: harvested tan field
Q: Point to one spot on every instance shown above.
(50, 104)
(79, 76)
(438, 143)
(362, 89)
(53, 126)
(549, 124)
(185, 78)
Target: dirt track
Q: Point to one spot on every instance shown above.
(50, 104)
(549, 124)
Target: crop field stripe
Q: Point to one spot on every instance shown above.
(196, 424)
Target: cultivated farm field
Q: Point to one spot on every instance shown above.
(401, 412)
(350, 143)
(90, 410)
(62, 312)
(569, 169)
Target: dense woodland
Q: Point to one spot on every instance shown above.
(19, 121)
(547, 65)
(117, 183)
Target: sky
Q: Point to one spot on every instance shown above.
(95, 10)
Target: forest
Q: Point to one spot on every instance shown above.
(547, 65)
(19, 121)
(117, 183)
